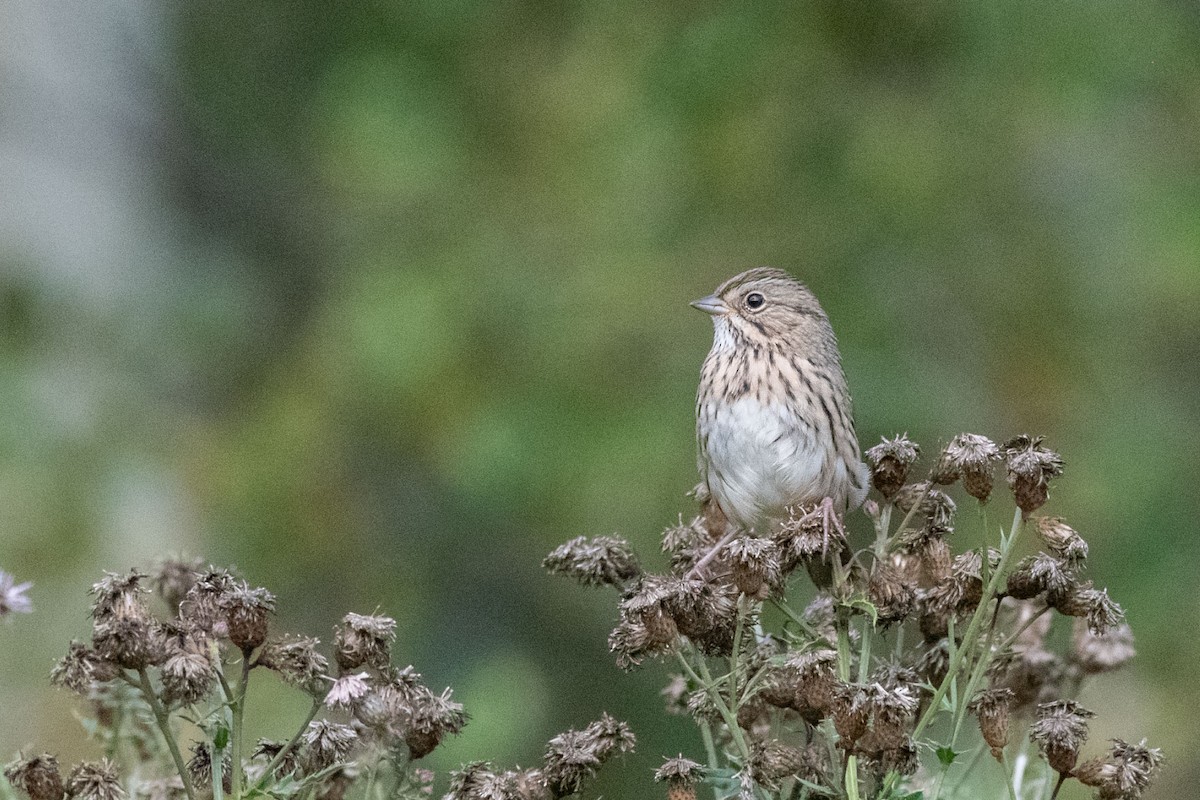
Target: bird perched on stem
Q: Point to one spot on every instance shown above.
(773, 418)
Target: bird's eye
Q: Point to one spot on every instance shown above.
(754, 301)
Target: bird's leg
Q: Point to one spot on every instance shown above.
(712, 553)
(830, 519)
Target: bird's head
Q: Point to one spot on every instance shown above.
(762, 303)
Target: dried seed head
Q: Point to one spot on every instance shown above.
(686, 543)
(298, 663)
(1124, 773)
(188, 673)
(934, 663)
(1034, 676)
(935, 559)
(890, 460)
(600, 560)
(804, 537)
(772, 760)
(127, 635)
(324, 744)
(1062, 540)
(1036, 574)
(94, 780)
(362, 640)
(431, 718)
(573, 756)
(992, 707)
(203, 607)
(933, 506)
(1082, 600)
(1060, 730)
(37, 776)
(973, 457)
(81, 668)
(200, 767)
(1030, 468)
(816, 683)
(892, 711)
(1097, 653)
(247, 612)
(681, 775)
(755, 563)
(851, 712)
(267, 749)
(892, 597)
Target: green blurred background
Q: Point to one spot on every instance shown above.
(380, 302)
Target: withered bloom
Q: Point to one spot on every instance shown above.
(686, 544)
(348, 690)
(188, 673)
(94, 780)
(1124, 773)
(599, 560)
(37, 776)
(934, 662)
(772, 760)
(203, 607)
(298, 663)
(892, 596)
(892, 712)
(12, 596)
(324, 744)
(1062, 540)
(364, 641)
(992, 707)
(1036, 574)
(1030, 468)
(681, 775)
(573, 756)
(431, 718)
(247, 613)
(1082, 600)
(851, 713)
(890, 460)
(755, 564)
(934, 507)
(804, 537)
(267, 749)
(1105, 652)
(1060, 730)
(972, 457)
(125, 633)
(82, 667)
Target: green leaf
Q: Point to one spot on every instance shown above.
(221, 738)
(946, 755)
(860, 603)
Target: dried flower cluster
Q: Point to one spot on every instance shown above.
(896, 640)
(181, 644)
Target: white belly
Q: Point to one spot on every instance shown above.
(761, 459)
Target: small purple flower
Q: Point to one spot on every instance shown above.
(12, 596)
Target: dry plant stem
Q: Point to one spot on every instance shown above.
(269, 772)
(842, 622)
(164, 726)
(239, 710)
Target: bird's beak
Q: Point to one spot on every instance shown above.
(710, 305)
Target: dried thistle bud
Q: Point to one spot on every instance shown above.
(125, 633)
(1082, 600)
(81, 668)
(468, 782)
(188, 673)
(851, 713)
(94, 780)
(933, 506)
(1035, 676)
(816, 683)
(892, 711)
(247, 613)
(324, 744)
(571, 758)
(773, 760)
(1030, 468)
(755, 564)
(890, 460)
(972, 457)
(934, 557)
(267, 749)
(431, 718)
(203, 607)
(1062, 540)
(681, 775)
(174, 577)
(37, 776)
(1124, 773)
(599, 560)
(804, 536)
(892, 597)
(1036, 574)
(298, 663)
(686, 543)
(1105, 652)
(200, 766)
(1060, 730)
(992, 707)
(362, 640)
(934, 663)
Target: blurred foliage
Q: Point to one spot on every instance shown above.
(415, 310)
